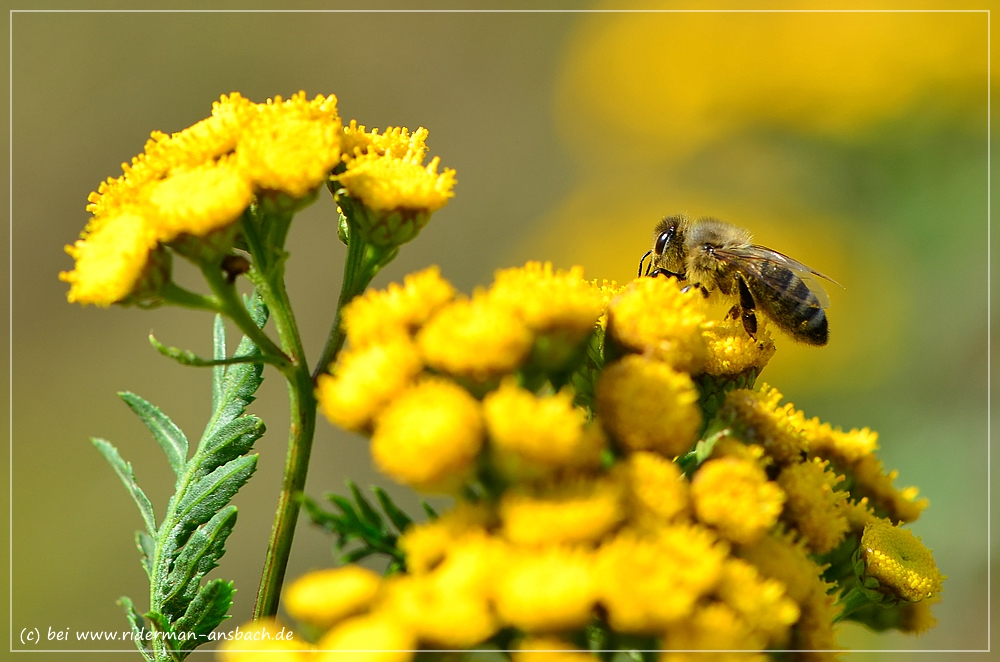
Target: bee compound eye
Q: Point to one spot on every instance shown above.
(662, 241)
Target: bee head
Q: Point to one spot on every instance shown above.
(668, 250)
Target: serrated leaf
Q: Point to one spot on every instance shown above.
(228, 442)
(124, 471)
(365, 510)
(167, 435)
(198, 556)
(208, 609)
(147, 547)
(138, 626)
(208, 495)
(399, 519)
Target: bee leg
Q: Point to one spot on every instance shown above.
(668, 274)
(748, 306)
(734, 312)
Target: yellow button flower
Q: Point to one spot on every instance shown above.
(761, 602)
(648, 582)
(325, 597)
(549, 299)
(756, 418)
(897, 564)
(813, 506)
(608, 289)
(365, 380)
(714, 626)
(730, 351)
(199, 200)
(653, 315)
(429, 436)
(292, 145)
(736, 498)
(377, 315)
(533, 436)
(647, 405)
(113, 260)
(372, 638)
(475, 338)
(573, 512)
(428, 543)
(657, 490)
(552, 588)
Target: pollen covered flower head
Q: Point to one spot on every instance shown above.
(730, 351)
(580, 511)
(893, 562)
(736, 498)
(290, 145)
(325, 597)
(549, 299)
(653, 315)
(391, 193)
(429, 436)
(647, 405)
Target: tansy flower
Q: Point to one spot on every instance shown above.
(657, 491)
(647, 405)
(573, 512)
(813, 506)
(377, 315)
(395, 142)
(551, 588)
(429, 436)
(325, 597)
(371, 638)
(549, 649)
(549, 300)
(647, 582)
(198, 200)
(428, 543)
(290, 146)
(761, 602)
(449, 606)
(653, 315)
(730, 351)
(781, 558)
(534, 436)
(366, 379)
(756, 418)
(894, 564)
(113, 261)
(262, 640)
(714, 626)
(475, 338)
(736, 498)
(201, 143)
(395, 192)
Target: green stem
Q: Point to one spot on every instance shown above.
(179, 296)
(231, 306)
(363, 262)
(850, 602)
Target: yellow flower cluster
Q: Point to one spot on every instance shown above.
(578, 507)
(197, 183)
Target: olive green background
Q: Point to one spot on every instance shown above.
(87, 88)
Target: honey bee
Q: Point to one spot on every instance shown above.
(713, 255)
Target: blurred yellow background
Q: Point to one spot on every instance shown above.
(854, 142)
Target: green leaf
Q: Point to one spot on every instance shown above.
(429, 510)
(227, 442)
(399, 519)
(124, 471)
(208, 495)
(189, 358)
(147, 547)
(138, 627)
(167, 435)
(208, 609)
(365, 509)
(198, 556)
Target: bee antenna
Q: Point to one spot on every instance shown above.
(643, 259)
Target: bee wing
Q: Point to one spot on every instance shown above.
(752, 259)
